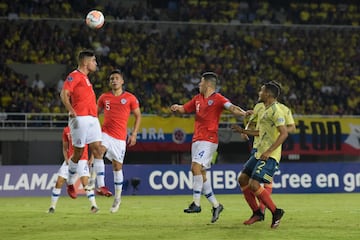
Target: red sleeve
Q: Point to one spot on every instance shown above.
(190, 107)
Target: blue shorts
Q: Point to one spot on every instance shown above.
(262, 171)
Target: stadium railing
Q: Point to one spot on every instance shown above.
(33, 120)
(60, 120)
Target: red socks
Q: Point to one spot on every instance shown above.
(268, 187)
(250, 198)
(264, 196)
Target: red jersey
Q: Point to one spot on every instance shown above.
(66, 137)
(207, 116)
(82, 95)
(117, 110)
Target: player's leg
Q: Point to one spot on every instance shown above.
(84, 174)
(209, 149)
(196, 167)
(207, 190)
(118, 184)
(72, 171)
(92, 179)
(56, 191)
(116, 151)
(248, 193)
(94, 139)
(268, 188)
(78, 130)
(194, 207)
(263, 173)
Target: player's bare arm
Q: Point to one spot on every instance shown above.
(291, 128)
(65, 148)
(281, 138)
(99, 110)
(65, 98)
(137, 115)
(241, 130)
(236, 110)
(177, 108)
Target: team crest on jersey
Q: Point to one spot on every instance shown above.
(281, 120)
(69, 78)
(210, 102)
(123, 101)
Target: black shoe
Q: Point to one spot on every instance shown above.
(216, 212)
(256, 217)
(51, 210)
(94, 209)
(192, 208)
(277, 215)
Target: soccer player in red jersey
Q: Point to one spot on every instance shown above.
(117, 105)
(63, 172)
(79, 99)
(208, 106)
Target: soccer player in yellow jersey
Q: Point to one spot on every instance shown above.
(251, 129)
(264, 161)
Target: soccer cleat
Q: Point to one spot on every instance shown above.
(192, 208)
(256, 217)
(51, 210)
(103, 191)
(94, 209)
(115, 206)
(216, 212)
(89, 187)
(71, 191)
(277, 215)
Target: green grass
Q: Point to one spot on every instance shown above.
(308, 216)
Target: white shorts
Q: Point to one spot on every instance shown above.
(83, 168)
(64, 170)
(116, 148)
(84, 130)
(202, 153)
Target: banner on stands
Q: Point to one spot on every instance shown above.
(177, 179)
(314, 135)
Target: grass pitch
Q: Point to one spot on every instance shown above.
(307, 216)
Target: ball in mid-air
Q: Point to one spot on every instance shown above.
(95, 19)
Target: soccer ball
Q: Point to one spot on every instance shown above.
(95, 19)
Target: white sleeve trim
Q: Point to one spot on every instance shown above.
(227, 105)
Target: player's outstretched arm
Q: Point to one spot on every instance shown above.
(238, 111)
(241, 130)
(177, 108)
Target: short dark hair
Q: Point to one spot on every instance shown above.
(210, 76)
(85, 53)
(118, 71)
(278, 85)
(274, 88)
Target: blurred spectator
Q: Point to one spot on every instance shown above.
(38, 84)
(60, 83)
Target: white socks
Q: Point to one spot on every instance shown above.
(118, 183)
(55, 197)
(99, 168)
(209, 194)
(72, 172)
(197, 187)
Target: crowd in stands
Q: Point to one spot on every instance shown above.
(318, 66)
(329, 12)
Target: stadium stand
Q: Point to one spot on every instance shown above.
(310, 48)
